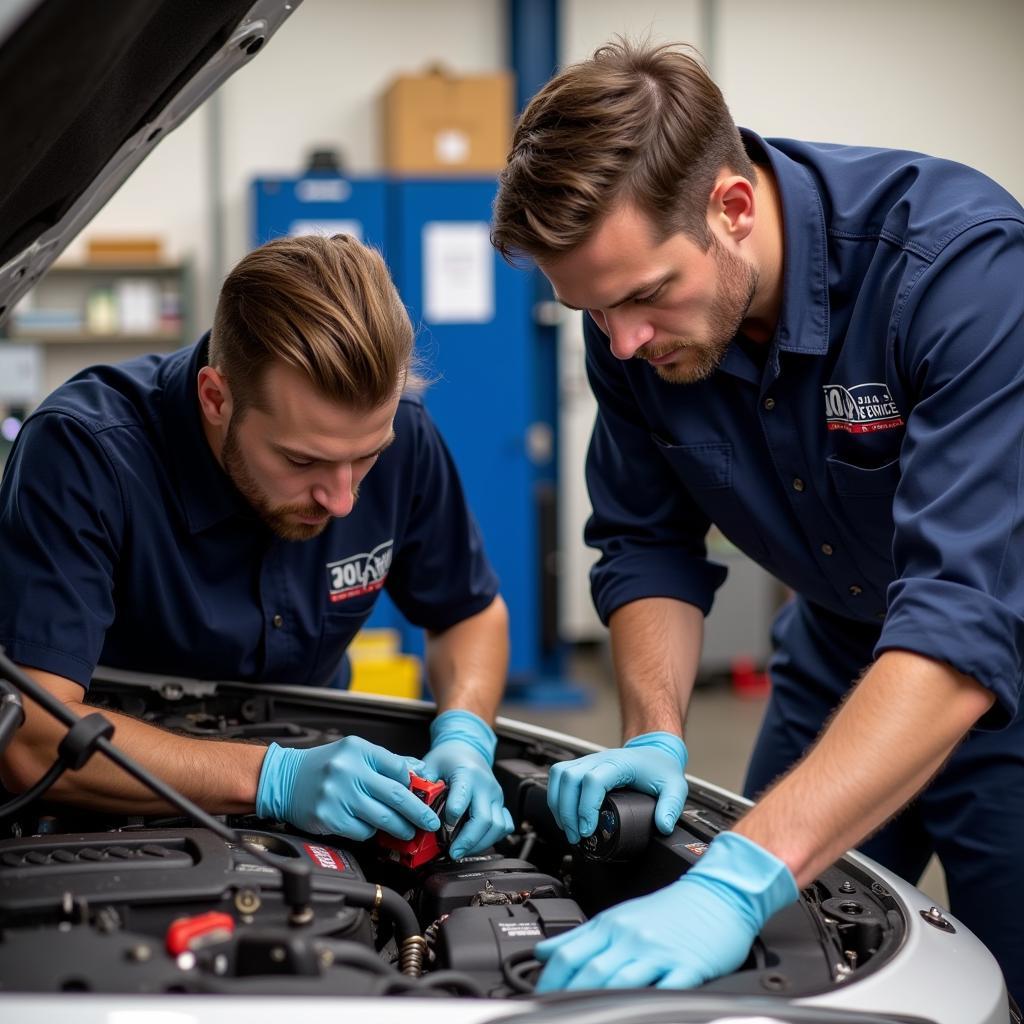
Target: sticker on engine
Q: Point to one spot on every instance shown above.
(325, 857)
(519, 929)
(696, 848)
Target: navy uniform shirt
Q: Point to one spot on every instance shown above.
(123, 542)
(872, 459)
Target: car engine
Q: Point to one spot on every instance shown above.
(102, 903)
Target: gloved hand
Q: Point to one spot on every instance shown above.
(347, 788)
(462, 752)
(652, 763)
(693, 930)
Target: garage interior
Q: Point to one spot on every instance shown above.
(312, 137)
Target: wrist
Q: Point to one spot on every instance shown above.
(667, 741)
(750, 877)
(277, 780)
(466, 727)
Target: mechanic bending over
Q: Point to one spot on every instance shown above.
(820, 349)
(231, 511)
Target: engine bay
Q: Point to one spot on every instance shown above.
(129, 904)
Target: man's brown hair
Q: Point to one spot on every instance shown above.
(634, 123)
(325, 306)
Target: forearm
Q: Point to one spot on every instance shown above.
(468, 664)
(221, 777)
(656, 646)
(898, 726)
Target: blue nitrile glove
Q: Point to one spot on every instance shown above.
(462, 752)
(346, 788)
(693, 930)
(652, 763)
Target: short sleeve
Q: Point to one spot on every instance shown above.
(61, 520)
(441, 574)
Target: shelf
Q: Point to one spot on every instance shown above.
(114, 269)
(83, 338)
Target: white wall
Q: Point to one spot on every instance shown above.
(315, 85)
(942, 76)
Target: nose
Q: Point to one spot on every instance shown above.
(627, 329)
(335, 492)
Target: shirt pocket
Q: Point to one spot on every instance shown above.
(706, 471)
(341, 622)
(866, 496)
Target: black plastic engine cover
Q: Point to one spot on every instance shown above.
(91, 912)
(478, 939)
(449, 885)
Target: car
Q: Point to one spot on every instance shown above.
(187, 918)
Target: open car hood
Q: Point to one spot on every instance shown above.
(89, 87)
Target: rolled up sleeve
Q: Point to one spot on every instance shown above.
(958, 511)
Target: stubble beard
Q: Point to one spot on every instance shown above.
(275, 517)
(737, 285)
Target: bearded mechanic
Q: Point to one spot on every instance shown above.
(232, 511)
(819, 349)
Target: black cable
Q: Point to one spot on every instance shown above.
(53, 773)
(12, 714)
(92, 732)
(515, 965)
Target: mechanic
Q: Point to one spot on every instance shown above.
(819, 349)
(196, 514)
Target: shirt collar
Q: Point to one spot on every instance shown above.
(206, 491)
(803, 324)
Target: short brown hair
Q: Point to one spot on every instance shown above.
(325, 306)
(635, 122)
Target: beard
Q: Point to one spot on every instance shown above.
(276, 517)
(734, 293)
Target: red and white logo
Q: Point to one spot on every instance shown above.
(359, 574)
(860, 409)
(325, 857)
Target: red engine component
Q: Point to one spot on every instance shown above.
(424, 846)
(190, 933)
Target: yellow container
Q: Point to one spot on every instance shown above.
(379, 666)
(394, 676)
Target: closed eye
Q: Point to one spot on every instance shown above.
(650, 297)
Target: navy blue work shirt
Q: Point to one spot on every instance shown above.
(123, 542)
(873, 458)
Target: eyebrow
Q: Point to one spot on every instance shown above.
(649, 286)
(294, 453)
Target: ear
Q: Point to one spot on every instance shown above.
(731, 207)
(214, 396)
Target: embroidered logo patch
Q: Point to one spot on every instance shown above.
(359, 574)
(861, 409)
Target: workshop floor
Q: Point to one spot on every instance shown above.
(720, 733)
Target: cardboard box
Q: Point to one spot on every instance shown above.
(124, 249)
(437, 123)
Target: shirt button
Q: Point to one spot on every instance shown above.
(855, 591)
(278, 621)
(827, 549)
(769, 404)
(798, 484)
